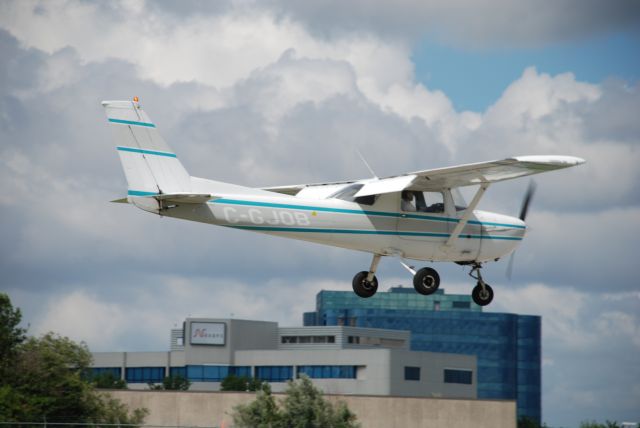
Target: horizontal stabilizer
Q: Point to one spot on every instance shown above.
(176, 198)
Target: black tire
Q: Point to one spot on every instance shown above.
(482, 298)
(426, 281)
(362, 287)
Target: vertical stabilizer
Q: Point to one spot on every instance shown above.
(150, 166)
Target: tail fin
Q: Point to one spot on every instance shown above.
(150, 166)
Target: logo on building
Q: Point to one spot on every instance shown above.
(207, 333)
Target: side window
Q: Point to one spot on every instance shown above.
(433, 202)
(426, 202)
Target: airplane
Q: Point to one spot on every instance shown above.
(418, 215)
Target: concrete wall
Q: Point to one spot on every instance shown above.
(209, 409)
(431, 383)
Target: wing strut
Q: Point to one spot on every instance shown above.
(467, 215)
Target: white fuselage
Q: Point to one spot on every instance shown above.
(381, 228)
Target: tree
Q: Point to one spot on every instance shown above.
(303, 406)
(108, 381)
(594, 424)
(10, 336)
(240, 383)
(527, 422)
(262, 412)
(171, 383)
(45, 379)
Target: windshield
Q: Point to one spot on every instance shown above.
(348, 194)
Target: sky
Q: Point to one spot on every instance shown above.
(278, 92)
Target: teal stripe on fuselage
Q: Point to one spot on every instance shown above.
(141, 193)
(360, 212)
(145, 152)
(132, 122)
(367, 232)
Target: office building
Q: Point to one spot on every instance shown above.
(507, 346)
(338, 359)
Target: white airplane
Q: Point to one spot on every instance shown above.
(419, 215)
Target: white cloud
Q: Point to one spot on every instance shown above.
(83, 317)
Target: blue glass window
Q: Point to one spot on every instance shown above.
(328, 372)
(274, 373)
(461, 305)
(178, 371)
(412, 373)
(215, 373)
(144, 374)
(97, 371)
(241, 371)
(458, 376)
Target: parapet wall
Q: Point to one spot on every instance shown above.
(214, 409)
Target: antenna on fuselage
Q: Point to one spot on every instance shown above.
(366, 163)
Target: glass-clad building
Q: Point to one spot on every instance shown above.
(507, 346)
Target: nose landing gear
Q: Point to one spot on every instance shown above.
(482, 293)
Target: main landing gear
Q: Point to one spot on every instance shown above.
(365, 284)
(482, 293)
(425, 281)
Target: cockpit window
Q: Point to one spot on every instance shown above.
(348, 194)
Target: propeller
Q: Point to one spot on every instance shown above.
(524, 209)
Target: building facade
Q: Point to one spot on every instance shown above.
(338, 359)
(507, 346)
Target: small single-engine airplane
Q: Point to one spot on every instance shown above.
(419, 215)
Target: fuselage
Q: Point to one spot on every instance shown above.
(380, 228)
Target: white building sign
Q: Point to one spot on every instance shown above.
(207, 333)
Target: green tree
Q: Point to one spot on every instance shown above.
(303, 406)
(108, 381)
(10, 337)
(594, 424)
(45, 379)
(240, 383)
(263, 412)
(527, 422)
(176, 383)
(171, 383)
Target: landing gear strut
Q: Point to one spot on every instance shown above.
(365, 284)
(482, 293)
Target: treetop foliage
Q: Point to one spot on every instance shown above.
(303, 406)
(240, 383)
(44, 378)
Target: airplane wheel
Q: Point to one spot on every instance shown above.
(426, 281)
(482, 297)
(362, 287)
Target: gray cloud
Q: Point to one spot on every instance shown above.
(468, 24)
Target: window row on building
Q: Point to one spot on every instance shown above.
(207, 373)
(308, 339)
(375, 341)
(464, 377)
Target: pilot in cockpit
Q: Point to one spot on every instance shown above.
(407, 203)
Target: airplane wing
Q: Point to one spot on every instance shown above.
(469, 174)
